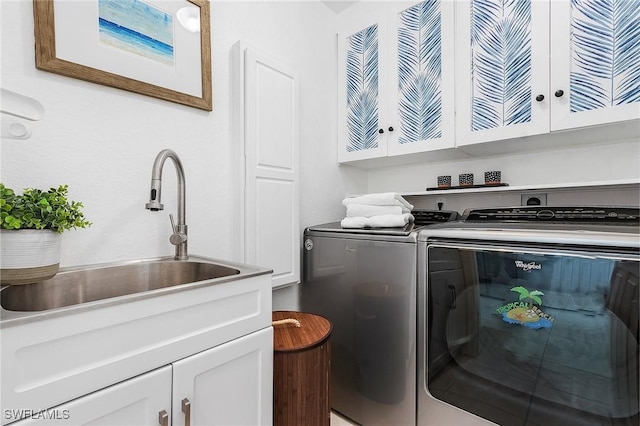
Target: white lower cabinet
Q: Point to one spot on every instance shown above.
(226, 385)
(105, 362)
(137, 401)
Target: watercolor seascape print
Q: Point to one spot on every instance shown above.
(137, 27)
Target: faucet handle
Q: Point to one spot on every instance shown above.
(178, 236)
(173, 224)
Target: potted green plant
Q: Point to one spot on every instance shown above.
(30, 229)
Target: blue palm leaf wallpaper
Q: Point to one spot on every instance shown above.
(605, 57)
(362, 89)
(500, 63)
(420, 72)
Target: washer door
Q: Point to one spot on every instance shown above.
(514, 335)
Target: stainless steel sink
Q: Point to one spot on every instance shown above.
(75, 286)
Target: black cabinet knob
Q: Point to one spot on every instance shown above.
(381, 131)
(559, 93)
(390, 128)
(540, 98)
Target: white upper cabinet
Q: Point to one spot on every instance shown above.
(595, 55)
(395, 79)
(410, 74)
(422, 83)
(360, 95)
(506, 87)
(502, 69)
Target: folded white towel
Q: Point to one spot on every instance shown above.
(354, 222)
(379, 199)
(367, 210)
(381, 221)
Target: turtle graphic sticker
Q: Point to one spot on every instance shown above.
(527, 313)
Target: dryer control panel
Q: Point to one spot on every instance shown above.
(601, 215)
(429, 217)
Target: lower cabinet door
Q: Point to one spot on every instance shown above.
(230, 384)
(143, 400)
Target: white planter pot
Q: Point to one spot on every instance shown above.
(28, 255)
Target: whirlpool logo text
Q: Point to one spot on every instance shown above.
(527, 266)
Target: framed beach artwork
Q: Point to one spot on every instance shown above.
(159, 48)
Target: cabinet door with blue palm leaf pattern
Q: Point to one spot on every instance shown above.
(395, 78)
(502, 69)
(595, 62)
(422, 80)
(361, 97)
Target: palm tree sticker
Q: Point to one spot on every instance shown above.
(525, 294)
(527, 313)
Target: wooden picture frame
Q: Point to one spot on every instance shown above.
(77, 43)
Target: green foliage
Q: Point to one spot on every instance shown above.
(36, 209)
(524, 294)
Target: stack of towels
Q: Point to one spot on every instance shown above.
(378, 210)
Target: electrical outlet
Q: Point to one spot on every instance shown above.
(533, 199)
(441, 204)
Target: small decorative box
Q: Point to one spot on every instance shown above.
(444, 181)
(492, 178)
(466, 179)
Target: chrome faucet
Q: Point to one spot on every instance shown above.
(179, 236)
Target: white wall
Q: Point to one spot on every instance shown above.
(102, 141)
(619, 194)
(603, 162)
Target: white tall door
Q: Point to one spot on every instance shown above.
(228, 385)
(272, 234)
(144, 401)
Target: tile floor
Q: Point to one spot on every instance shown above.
(338, 420)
